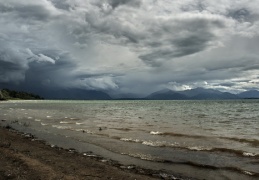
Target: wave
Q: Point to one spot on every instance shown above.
(249, 154)
(77, 123)
(190, 163)
(252, 142)
(141, 156)
(229, 168)
(74, 118)
(83, 131)
(232, 151)
(131, 140)
(155, 144)
(66, 122)
(191, 148)
(155, 133)
(122, 129)
(176, 134)
(61, 127)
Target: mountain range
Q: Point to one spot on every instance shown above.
(249, 94)
(200, 94)
(165, 94)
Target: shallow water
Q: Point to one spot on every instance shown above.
(201, 139)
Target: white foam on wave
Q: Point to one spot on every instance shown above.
(198, 148)
(155, 133)
(249, 173)
(77, 123)
(154, 144)
(130, 140)
(249, 154)
(65, 122)
(48, 116)
(147, 157)
(166, 144)
(149, 143)
(61, 127)
(37, 120)
(29, 117)
(83, 130)
(43, 124)
(89, 155)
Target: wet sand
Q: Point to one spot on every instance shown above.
(23, 156)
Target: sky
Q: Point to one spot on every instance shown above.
(129, 46)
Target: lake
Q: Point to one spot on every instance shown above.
(200, 139)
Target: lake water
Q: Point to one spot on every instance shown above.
(200, 139)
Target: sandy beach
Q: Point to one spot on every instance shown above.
(25, 157)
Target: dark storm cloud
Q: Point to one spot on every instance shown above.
(198, 36)
(12, 65)
(243, 15)
(62, 4)
(228, 84)
(10, 71)
(180, 47)
(193, 44)
(119, 32)
(251, 67)
(30, 11)
(96, 75)
(240, 14)
(116, 3)
(49, 75)
(113, 4)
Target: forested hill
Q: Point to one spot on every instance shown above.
(6, 94)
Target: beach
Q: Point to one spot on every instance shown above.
(25, 157)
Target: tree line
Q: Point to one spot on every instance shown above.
(6, 94)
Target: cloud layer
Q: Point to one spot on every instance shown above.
(129, 46)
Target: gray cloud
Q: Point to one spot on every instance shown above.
(32, 10)
(228, 84)
(63, 4)
(116, 3)
(12, 64)
(198, 35)
(129, 46)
